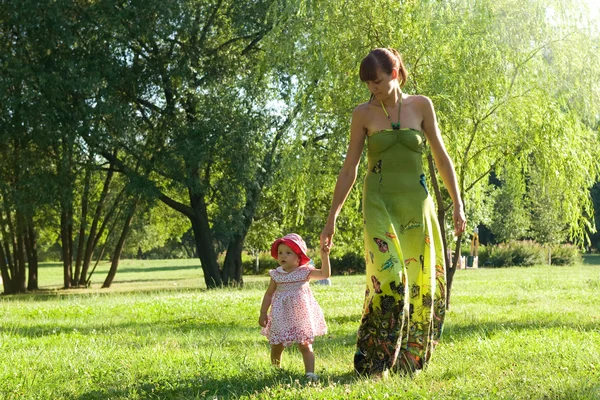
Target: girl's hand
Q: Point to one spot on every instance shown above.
(263, 319)
(460, 221)
(327, 236)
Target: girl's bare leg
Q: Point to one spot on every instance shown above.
(308, 356)
(276, 350)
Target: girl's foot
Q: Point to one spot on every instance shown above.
(381, 375)
(311, 376)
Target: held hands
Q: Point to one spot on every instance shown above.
(327, 237)
(460, 221)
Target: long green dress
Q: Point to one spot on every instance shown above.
(405, 296)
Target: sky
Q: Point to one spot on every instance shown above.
(594, 5)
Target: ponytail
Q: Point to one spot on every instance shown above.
(402, 72)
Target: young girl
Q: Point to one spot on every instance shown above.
(295, 316)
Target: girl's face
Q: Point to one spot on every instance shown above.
(286, 257)
(384, 85)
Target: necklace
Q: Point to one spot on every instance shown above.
(394, 126)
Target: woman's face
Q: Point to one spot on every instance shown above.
(384, 85)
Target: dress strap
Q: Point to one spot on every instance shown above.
(394, 126)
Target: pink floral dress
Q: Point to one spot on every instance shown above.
(295, 315)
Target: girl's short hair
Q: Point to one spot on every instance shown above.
(384, 60)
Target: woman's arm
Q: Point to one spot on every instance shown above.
(443, 162)
(348, 173)
(266, 303)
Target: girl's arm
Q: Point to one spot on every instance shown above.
(266, 303)
(348, 173)
(325, 271)
(443, 162)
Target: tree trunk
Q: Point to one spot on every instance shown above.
(66, 256)
(65, 183)
(450, 271)
(31, 246)
(204, 240)
(6, 278)
(88, 282)
(7, 254)
(109, 216)
(20, 256)
(6, 246)
(11, 246)
(89, 250)
(232, 266)
(82, 225)
(441, 216)
(119, 247)
(206, 253)
(110, 232)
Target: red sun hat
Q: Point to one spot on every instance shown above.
(295, 242)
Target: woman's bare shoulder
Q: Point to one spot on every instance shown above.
(417, 99)
(362, 108)
(361, 112)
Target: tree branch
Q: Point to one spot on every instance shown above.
(182, 208)
(209, 23)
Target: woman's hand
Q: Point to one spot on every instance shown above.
(327, 236)
(460, 221)
(263, 319)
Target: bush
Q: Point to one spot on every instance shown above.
(565, 254)
(483, 255)
(265, 263)
(348, 264)
(517, 253)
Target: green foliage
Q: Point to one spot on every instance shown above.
(518, 253)
(510, 219)
(595, 230)
(565, 254)
(484, 255)
(265, 263)
(349, 264)
(528, 253)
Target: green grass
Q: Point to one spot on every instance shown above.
(512, 333)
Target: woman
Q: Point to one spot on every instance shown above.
(404, 304)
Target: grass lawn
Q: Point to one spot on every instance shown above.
(512, 333)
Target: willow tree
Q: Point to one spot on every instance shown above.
(515, 85)
(497, 71)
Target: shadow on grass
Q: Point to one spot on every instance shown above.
(212, 383)
(490, 329)
(591, 259)
(247, 382)
(142, 269)
(116, 282)
(54, 294)
(345, 319)
(220, 334)
(46, 294)
(228, 330)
